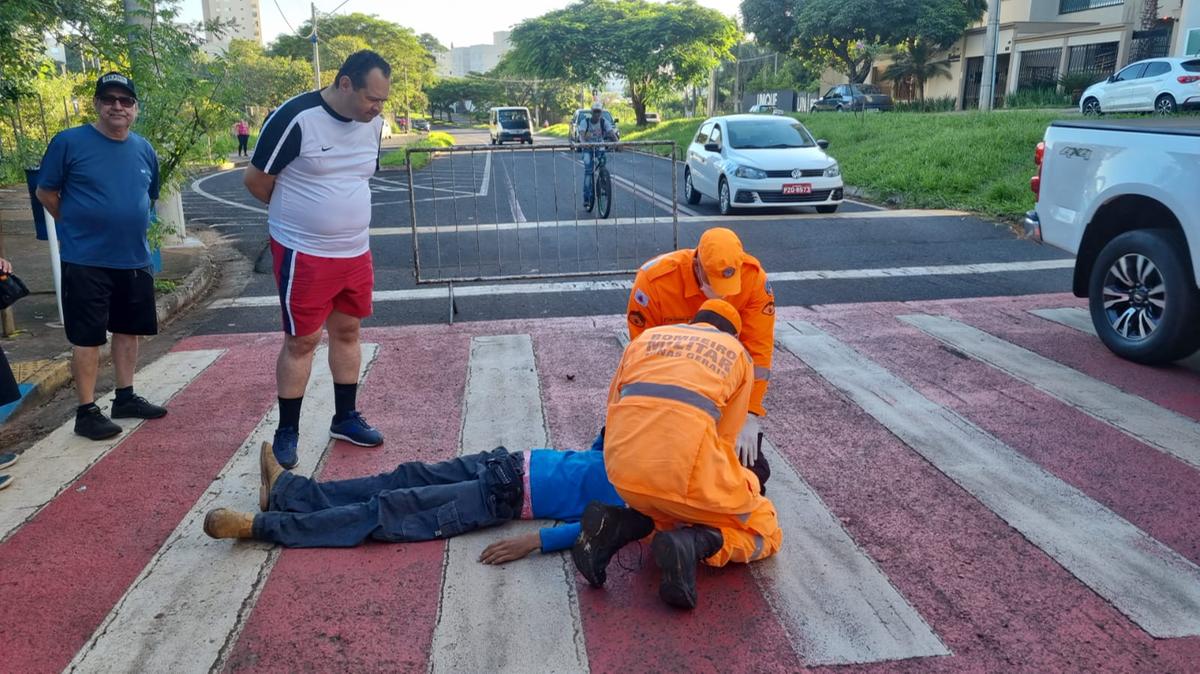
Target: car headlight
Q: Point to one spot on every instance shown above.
(833, 171)
(750, 172)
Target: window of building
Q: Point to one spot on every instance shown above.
(1095, 60)
(1039, 68)
(1069, 6)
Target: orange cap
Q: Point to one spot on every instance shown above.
(721, 254)
(724, 310)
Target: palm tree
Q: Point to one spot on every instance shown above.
(915, 62)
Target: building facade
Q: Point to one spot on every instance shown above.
(479, 58)
(1042, 41)
(243, 17)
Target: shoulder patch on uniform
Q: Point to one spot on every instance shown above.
(641, 297)
(637, 319)
(769, 309)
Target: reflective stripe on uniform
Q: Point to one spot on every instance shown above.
(758, 546)
(762, 373)
(744, 517)
(672, 392)
(700, 328)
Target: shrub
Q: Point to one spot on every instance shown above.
(943, 104)
(1045, 96)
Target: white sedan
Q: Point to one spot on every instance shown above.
(758, 161)
(1162, 85)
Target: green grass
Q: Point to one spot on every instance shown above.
(419, 159)
(970, 161)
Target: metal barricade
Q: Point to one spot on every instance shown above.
(494, 213)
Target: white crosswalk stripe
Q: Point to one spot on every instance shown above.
(186, 607)
(1157, 588)
(62, 456)
(529, 621)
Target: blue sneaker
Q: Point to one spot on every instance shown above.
(284, 447)
(356, 430)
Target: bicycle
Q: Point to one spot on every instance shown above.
(601, 181)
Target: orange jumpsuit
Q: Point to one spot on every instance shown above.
(675, 407)
(666, 291)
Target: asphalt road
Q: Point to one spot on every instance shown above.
(516, 212)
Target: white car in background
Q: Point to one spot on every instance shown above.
(1163, 85)
(761, 161)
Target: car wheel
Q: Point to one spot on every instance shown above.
(840, 109)
(827, 209)
(1165, 105)
(689, 190)
(724, 199)
(1092, 107)
(812, 110)
(1143, 297)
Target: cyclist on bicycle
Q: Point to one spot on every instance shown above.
(595, 129)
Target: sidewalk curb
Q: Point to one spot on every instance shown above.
(49, 379)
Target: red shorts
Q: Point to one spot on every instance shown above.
(312, 287)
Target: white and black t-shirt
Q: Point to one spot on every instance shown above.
(323, 162)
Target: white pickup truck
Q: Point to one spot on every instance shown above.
(1124, 197)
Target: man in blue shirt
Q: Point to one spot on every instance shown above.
(419, 502)
(99, 181)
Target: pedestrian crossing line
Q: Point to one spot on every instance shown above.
(58, 459)
(187, 606)
(836, 605)
(1163, 429)
(1155, 587)
(528, 619)
(1081, 320)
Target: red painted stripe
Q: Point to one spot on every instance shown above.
(66, 568)
(371, 608)
(998, 602)
(627, 628)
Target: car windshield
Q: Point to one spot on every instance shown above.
(747, 135)
(513, 119)
(583, 114)
(868, 89)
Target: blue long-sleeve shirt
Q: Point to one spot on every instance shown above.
(561, 484)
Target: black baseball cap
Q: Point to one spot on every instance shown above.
(115, 79)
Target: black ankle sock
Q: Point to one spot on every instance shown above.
(344, 399)
(124, 394)
(82, 410)
(289, 412)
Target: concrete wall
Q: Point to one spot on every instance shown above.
(1189, 20)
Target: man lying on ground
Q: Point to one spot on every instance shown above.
(423, 501)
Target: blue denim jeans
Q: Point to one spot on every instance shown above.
(589, 159)
(414, 502)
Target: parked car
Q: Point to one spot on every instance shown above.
(582, 114)
(849, 97)
(760, 161)
(421, 124)
(652, 118)
(510, 123)
(1162, 85)
(1121, 196)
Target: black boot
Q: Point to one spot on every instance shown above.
(605, 530)
(677, 554)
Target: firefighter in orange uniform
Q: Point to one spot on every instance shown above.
(675, 407)
(671, 287)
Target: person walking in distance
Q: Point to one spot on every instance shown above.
(99, 181)
(312, 166)
(242, 131)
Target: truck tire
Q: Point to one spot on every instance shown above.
(1153, 307)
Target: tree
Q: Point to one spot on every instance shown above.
(849, 34)
(655, 47)
(916, 62)
(254, 79)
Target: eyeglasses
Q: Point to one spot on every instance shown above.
(125, 101)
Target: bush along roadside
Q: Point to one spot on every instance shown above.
(436, 139)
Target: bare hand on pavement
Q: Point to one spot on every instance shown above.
(510, 549)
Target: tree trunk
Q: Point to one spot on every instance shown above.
(639, 105)
(921, 89)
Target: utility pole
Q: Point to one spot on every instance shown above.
(987, 93)
(316, 53)
(407, 116)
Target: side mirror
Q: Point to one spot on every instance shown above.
(1112, 78)
(712, 147)
(823, 144)
(616, 121)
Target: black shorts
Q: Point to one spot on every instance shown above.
(99, 299)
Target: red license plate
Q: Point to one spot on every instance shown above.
(798, 188)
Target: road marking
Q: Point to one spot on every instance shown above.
(55, 461)
(528, 620)
(439, 292)
(1139, 418)
(514, 204)
(1081, 320)
(186, 608)
(196, 187)
(1154, 586)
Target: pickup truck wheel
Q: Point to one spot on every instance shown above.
(1143, 297)
(1091, 107)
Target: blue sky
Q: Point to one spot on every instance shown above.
(461, 22)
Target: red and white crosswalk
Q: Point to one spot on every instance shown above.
(967, 485)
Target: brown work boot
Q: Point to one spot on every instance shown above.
(604, 530)
(269, 471)
(226, 523)
(677, 553)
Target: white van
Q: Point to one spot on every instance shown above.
(510, 124)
